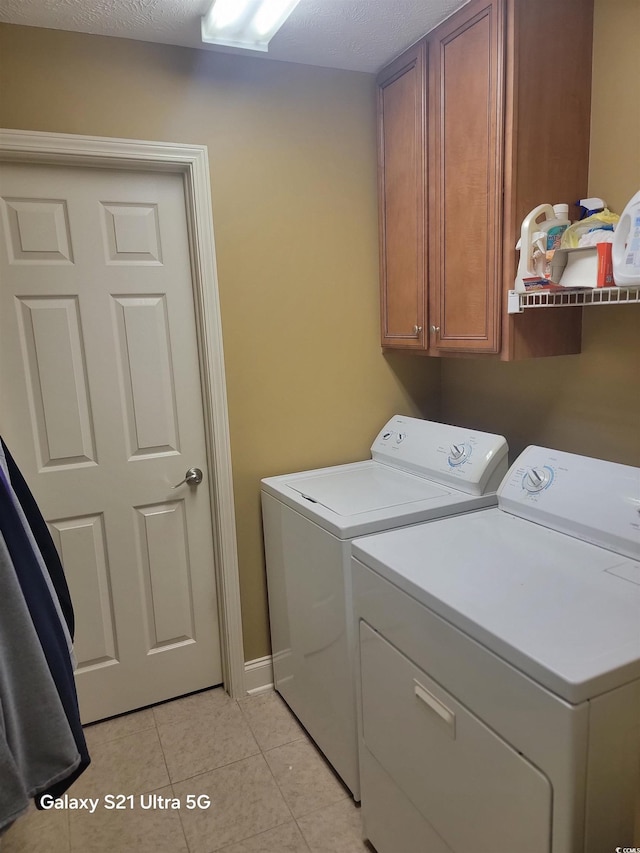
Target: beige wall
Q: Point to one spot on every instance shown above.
(293, 179)
(292, 157)
(614, 167)
(589, 403)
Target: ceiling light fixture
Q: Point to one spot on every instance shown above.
(248, 24)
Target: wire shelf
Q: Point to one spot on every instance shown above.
(597, 296)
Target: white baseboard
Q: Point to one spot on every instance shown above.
(258, 675)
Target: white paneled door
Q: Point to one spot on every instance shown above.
(100, 404)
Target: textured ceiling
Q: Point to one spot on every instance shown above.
(359, 35)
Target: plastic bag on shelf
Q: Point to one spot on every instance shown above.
(604, 221)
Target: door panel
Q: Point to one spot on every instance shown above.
(467, 150)
(150, 415)
(55, 370)
(82, 546)
(164, 566)
(102, 408)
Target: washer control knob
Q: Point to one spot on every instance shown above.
(458, 454)
(536, 479)
(401, 437)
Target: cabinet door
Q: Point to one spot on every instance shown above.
(402, 183)
(466, 152)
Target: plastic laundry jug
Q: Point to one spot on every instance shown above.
(626, 246)
(541, 231)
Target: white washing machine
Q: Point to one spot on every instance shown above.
(419, 471)
(499, 668)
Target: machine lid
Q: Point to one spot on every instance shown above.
(559, 609)
(366, 489)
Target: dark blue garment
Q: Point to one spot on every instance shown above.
(43, 538)
(46, 622)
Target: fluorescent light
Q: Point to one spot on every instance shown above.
(223, 13)
(248, 24)
(271, 15)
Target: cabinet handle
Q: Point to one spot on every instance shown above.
(435, 330)
(435, 705)
(417, 330)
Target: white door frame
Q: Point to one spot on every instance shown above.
(191, 161)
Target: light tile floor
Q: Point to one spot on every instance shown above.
(270, 790)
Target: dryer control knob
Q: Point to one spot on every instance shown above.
(536, 479)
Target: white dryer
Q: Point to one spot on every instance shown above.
(499, 668)
(419, 471)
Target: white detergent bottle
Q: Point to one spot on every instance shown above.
(625, 251)
(533, 262)
(555, 228)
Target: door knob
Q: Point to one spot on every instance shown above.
(193, 477)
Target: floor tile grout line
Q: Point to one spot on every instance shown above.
(307, 739)
(220, 767)
(280, 791)
(119, 737)
(184, 832)
(166, 766)
(213, 769)
(262, 832)
(258, 750)
(257, 835)
(303, 739)
(322, 808)
(303, 734)
(146, 790)
(346, 798)
(304, 837)
(247, 723)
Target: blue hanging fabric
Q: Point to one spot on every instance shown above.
(36, 550)
(46, 620)
(37, 748)
(42, 537)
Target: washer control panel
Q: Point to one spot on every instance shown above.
(471, 461)
(588, 498)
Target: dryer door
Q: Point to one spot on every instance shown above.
(470, 786)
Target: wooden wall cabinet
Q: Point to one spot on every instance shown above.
(402, 179)
(484, 118)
